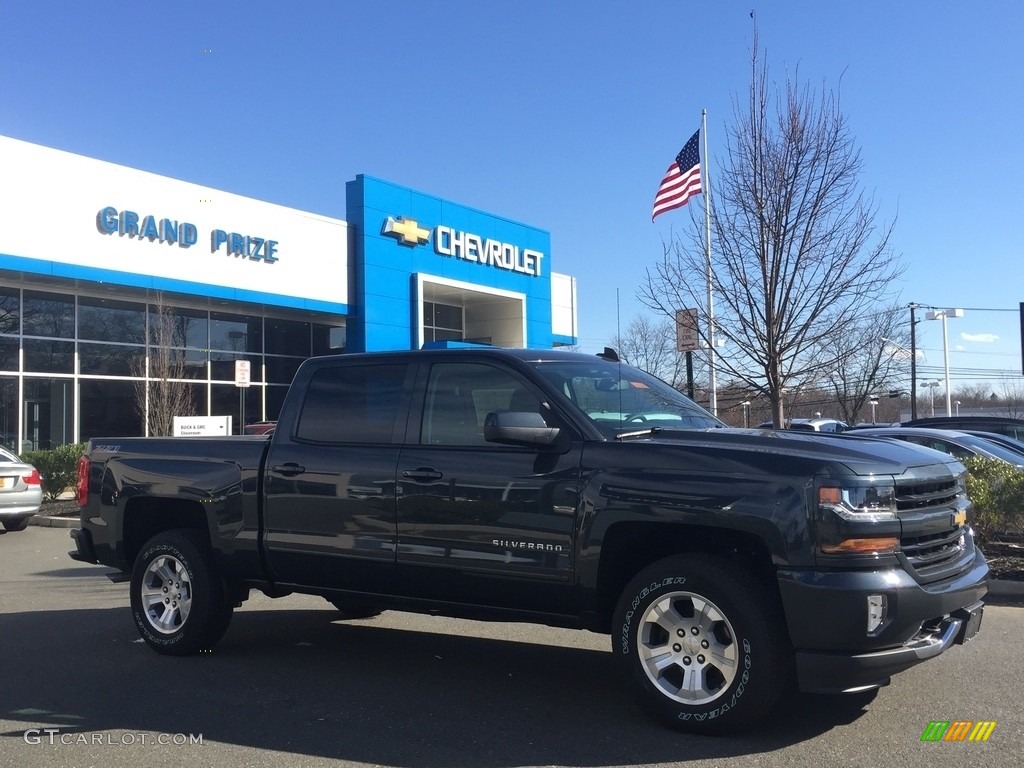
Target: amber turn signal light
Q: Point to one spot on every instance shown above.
(878, 546)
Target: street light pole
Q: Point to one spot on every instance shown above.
(931, 390)
(942, 314)
(913, 362)
(912, 354)
(874, 402)
(746, 414)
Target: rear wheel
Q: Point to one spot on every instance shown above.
(178, 599)
(701, 644)
(15, 523)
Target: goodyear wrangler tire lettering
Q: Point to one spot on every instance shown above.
(179, 602)
(701, 644)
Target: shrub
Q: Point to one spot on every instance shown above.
(58, 468)
(997, 491)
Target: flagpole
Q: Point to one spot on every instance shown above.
(706, 176)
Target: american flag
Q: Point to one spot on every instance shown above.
(682, 179)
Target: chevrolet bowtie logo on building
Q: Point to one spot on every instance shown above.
(406, 231)
(465, 246)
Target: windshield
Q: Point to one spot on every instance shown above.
(619, 398)
(993, 449)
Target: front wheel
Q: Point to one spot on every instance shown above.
(16, 523)
(178, 599)
(701, 644)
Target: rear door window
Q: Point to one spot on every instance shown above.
(353, 404)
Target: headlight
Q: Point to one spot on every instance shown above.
(868, 503)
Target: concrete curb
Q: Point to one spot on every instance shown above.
(1005, 592)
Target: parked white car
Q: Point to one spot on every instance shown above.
(21, 491)
(811, 425)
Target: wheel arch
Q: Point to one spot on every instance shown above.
(629, 547)
(145, 517)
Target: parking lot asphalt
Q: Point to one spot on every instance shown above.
(291, 684)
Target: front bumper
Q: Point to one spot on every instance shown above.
(840, 673)
(826, 613)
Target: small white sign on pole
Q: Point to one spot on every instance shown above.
(687, 336)
(243, 371)
(198, 426)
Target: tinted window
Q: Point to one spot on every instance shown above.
(352, 404)
(172, 327)
(109, 320)
(238, 333)
(49, 314)
(110, 408)
(992, 449)
(459, 397)
(328, 340)
(49, 356)
(10, 310)
(937, 445)
(111, 360)
(287, 337)
(8, 354)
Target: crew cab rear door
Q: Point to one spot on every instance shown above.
(481, 522)
(329, 512)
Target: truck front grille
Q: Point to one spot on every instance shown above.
(926, 495)
(936, 556)
(933, 545)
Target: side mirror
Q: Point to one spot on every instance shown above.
(519, 428)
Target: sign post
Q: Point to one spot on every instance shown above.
(687, 340)
(243, 378)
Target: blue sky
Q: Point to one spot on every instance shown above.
(562, 115)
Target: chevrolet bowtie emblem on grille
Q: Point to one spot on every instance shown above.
(406, 231)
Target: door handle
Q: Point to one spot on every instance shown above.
(422, 475)
(288, 470)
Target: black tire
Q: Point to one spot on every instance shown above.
(178, 599)
(702, 644)
(354, 610)
(16, 524)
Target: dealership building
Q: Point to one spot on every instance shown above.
(112, 278)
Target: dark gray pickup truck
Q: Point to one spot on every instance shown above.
(562, 489)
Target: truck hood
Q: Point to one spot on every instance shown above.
(860, 455)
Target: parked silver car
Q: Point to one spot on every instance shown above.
(21, 491)
(959, 444)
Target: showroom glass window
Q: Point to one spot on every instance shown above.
(442, 322)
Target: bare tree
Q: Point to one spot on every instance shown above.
(797, 257)
(868, 362)
(161, 391)
(651, 346)
(1013, 398)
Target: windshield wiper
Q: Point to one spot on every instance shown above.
(638, 433)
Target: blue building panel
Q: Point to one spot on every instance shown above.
(165, 284)
(401, 233)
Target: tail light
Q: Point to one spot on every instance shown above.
(32, 478)
(83, 481)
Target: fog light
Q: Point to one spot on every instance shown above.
(878, 607)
